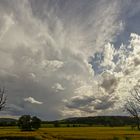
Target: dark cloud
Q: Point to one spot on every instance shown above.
(109, 82)
(91, 104)
(78, 102)
(106, 102)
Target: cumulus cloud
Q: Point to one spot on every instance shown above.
(58, 87)
(32, 100)
(120, 74)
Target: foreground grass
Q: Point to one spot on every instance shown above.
(77, 133)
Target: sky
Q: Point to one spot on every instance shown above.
(68, 58)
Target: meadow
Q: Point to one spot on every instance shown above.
(71, 133)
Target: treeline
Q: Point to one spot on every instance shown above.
(98, 120)
(80, 121)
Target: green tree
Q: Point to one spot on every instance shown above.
(35, 123)
(24, 122)
(28, 123)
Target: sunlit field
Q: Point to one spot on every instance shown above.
(71, 133)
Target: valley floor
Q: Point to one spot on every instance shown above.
(70, 133)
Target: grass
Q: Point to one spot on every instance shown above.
(71, 133)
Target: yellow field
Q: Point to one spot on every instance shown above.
(78, 133)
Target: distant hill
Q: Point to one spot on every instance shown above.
(8, 122)
(98, 120)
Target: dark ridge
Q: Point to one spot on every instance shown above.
(97, 120)
(8, 122)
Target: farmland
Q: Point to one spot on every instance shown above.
(71, 133)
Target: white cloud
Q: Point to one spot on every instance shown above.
(108, 54)
(58, 87)
(32, 100)
(7, 25)
(54, 65)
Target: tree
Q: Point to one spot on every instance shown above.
(133, 110)
(133, 106)
(35, 122)
(28, 123)
(24, 122)
(3, 98)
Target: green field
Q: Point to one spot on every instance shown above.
(77, 133)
